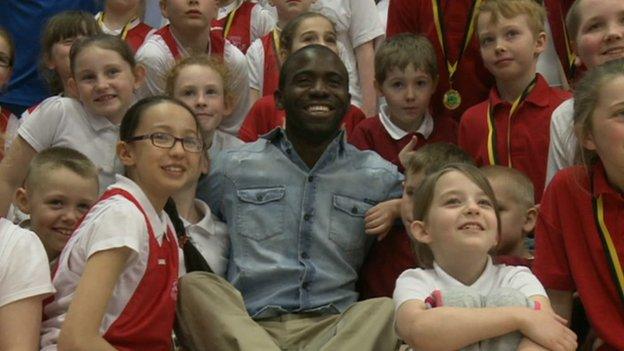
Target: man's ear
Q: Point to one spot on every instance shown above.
(530, 219)
(21, 200)
(419, 232)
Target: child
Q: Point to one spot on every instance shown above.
(202, 83)
(578, 241)
(406, 75)
(8, 121)
(60, 187)
(450, 26)
(306, 29)
(243, 22)
(123, 19)
(597, 33)
(515, 199)
(511, 127)
(24, 283)
(189, 33)
(59, 34)
(104, 76)
(117, 277)
(264, 57)
(459, 293)
(391, 256)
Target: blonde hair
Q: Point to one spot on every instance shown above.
(586, 98)
(573, 20)
(424, 196)
(199, 60)
(517, 182)
(535, 12)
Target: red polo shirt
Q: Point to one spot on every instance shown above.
(528, 137)
(472, 80)
(371, 134)
(570, 255)
(264, 116)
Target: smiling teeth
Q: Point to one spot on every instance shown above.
(471, 226)
(66, 232)
(614, 51)
(318, 108)
(174, 169)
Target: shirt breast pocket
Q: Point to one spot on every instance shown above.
(347, 222)
(260, 213)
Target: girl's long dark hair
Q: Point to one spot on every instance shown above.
(193, 260)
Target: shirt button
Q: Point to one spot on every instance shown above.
(307, 217)
(305, 285)
(259, 197)
(304, 255)
(354, 210)
(310, 178)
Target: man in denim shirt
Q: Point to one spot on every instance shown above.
(294, 202)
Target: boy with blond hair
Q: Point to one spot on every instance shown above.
(511, 128)
(60, 187)
(518, 213)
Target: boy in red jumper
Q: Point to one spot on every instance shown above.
(511, 128)
(406, 74)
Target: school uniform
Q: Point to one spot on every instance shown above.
(264, 116)
(210, 236)
(570, 254)
(24, 268)
(160, 52)
(64, 122)
(521, 141)
(140, 312)
(388, 258)
(264, 67)
(563, 141)
(381, 135)
(243, 22)
(134, 32)
(472, 80)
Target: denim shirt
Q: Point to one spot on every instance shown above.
(297, 234)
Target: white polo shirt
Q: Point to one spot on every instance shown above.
(63, 121)
(24, 270)
(418, 283)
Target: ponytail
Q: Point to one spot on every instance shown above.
(193, 260)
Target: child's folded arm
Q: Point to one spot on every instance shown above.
(446, 328)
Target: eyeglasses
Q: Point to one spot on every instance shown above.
(168, 141)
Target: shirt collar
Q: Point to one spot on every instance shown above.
(538, 96)
(97, 123)
(158, 221)
(225, 10)
(425, 129)
(206, 224)
(601, 184)
(133, 23)
(451, 281)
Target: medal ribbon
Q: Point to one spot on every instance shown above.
(124, 30)
(607, 243)
(276, 46)
(438, 19)
(491, 140)
(228, 24)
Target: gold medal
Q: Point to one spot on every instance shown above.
(451, 99)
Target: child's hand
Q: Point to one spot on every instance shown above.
(380, 218)
(548, 330)
(407, 150)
